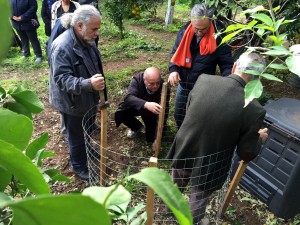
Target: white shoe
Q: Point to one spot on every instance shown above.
(38, 60)
(131, 134)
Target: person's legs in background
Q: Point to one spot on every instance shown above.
(32, 35)
(180, 104)
(75, 135)
(150, 121)
(128, 118)
(25, 43)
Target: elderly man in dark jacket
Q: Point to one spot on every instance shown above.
(76, 77)
(196, 51)
(216, 123)
(25, 21)
(142, 99)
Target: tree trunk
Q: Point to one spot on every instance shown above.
(169, 14)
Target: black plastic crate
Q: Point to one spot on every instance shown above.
(274, 175)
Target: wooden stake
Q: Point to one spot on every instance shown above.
(103, 145)
(150, 196)
(233, 185)
(161, 118)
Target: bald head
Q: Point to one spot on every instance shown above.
(152, 78)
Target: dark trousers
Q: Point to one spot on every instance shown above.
(30, 35)
(75, 138)
(128, 117)
(180, 104)
(198, 198)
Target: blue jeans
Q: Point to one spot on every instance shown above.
(180, 104)
(75, 137)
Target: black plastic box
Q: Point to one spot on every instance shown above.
(274, 175)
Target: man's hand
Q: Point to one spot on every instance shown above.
(98, 82)
(263, 134)
(153, 107)
(173, 78)
(17, 18)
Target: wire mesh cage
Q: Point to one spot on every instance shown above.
(124, 157)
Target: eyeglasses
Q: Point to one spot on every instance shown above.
(152, 84)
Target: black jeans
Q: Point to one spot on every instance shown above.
(128, 117)
(30, 35)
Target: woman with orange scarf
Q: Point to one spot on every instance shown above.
(196, 51)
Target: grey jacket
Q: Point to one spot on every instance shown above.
(72, 64)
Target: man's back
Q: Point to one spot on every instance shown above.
(216, 118)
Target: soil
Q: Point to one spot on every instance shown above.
(48, 121)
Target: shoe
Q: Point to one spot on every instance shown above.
(38, 60)
(204, 221)
(131, 134)
(83, 174)
(24, 57)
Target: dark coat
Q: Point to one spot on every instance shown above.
(27, 9)
(46, 16)
(216, 122)
(135, 97)
(72, 65)
(202, 63)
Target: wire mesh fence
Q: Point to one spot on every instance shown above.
(197, 178)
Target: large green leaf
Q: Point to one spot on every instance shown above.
(263, 18)
(22, 168)
(230, 36)
(5, 178)
(161, 183)
(277, 52)
(37, 145)
(278, 23)
(115, 195)
(18, 108)
(5, 30)
(293, 64)
(295, 49)
(253, 90)
(15, 129)
(234, 27)
(29, 100)
(59, 210)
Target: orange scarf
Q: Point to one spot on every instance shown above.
(208, 45)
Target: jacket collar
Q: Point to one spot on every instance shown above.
(79, 49)
(238, 79)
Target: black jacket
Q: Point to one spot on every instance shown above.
(27, 10)
(202, 63)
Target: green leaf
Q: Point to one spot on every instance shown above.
(252, 90)
(277, 52)
(254, 10)
(161, 183)
(253, 72)
(265, 27)
(277, 41)
(36, 145)
(260, 32)
(132, 212)
(287, 21)
(60, 177)
(278, 23)
(234, 27)
(258, 65)
(2, 93)
(15, 129)
(29, 100)
(60, 210)
(119, 196)
(229, 36)
(22, 168)
(263, 18)
(275, 9)
(295, 49)
(270, 77)
(277, 66)
(18, 108)
(4, 200)
(251, 24)
(5, 178)
(6, 30)
(140, 220)
(293, 64)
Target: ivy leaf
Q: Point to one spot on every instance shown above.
(252, 90)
